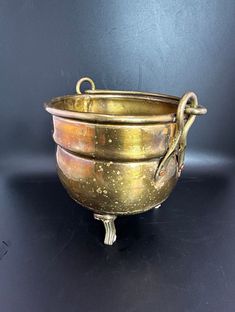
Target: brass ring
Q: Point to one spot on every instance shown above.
(84, 79)
(181, 109)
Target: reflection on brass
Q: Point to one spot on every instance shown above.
(120, 152)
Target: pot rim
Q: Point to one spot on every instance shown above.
(113, 118)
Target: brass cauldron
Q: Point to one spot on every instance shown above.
(120, 152)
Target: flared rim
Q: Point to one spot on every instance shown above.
(113, 118)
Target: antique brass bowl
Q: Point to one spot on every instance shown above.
(120, 152)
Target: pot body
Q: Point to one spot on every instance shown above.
(110, 168)
(115, 187)
(121, 152)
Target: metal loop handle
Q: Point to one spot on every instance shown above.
(195, 111)
(84, 79)
(188, 105)
(180, 117)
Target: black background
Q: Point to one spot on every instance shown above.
(178, 258)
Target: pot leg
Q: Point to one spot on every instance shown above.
(110, 230)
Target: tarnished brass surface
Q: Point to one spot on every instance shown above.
(113, 141)
(121, 152)
(113, 187)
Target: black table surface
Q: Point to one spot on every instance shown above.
(180, 257)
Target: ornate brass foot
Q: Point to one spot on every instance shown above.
(110, 230)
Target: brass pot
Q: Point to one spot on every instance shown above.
(120, 152)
